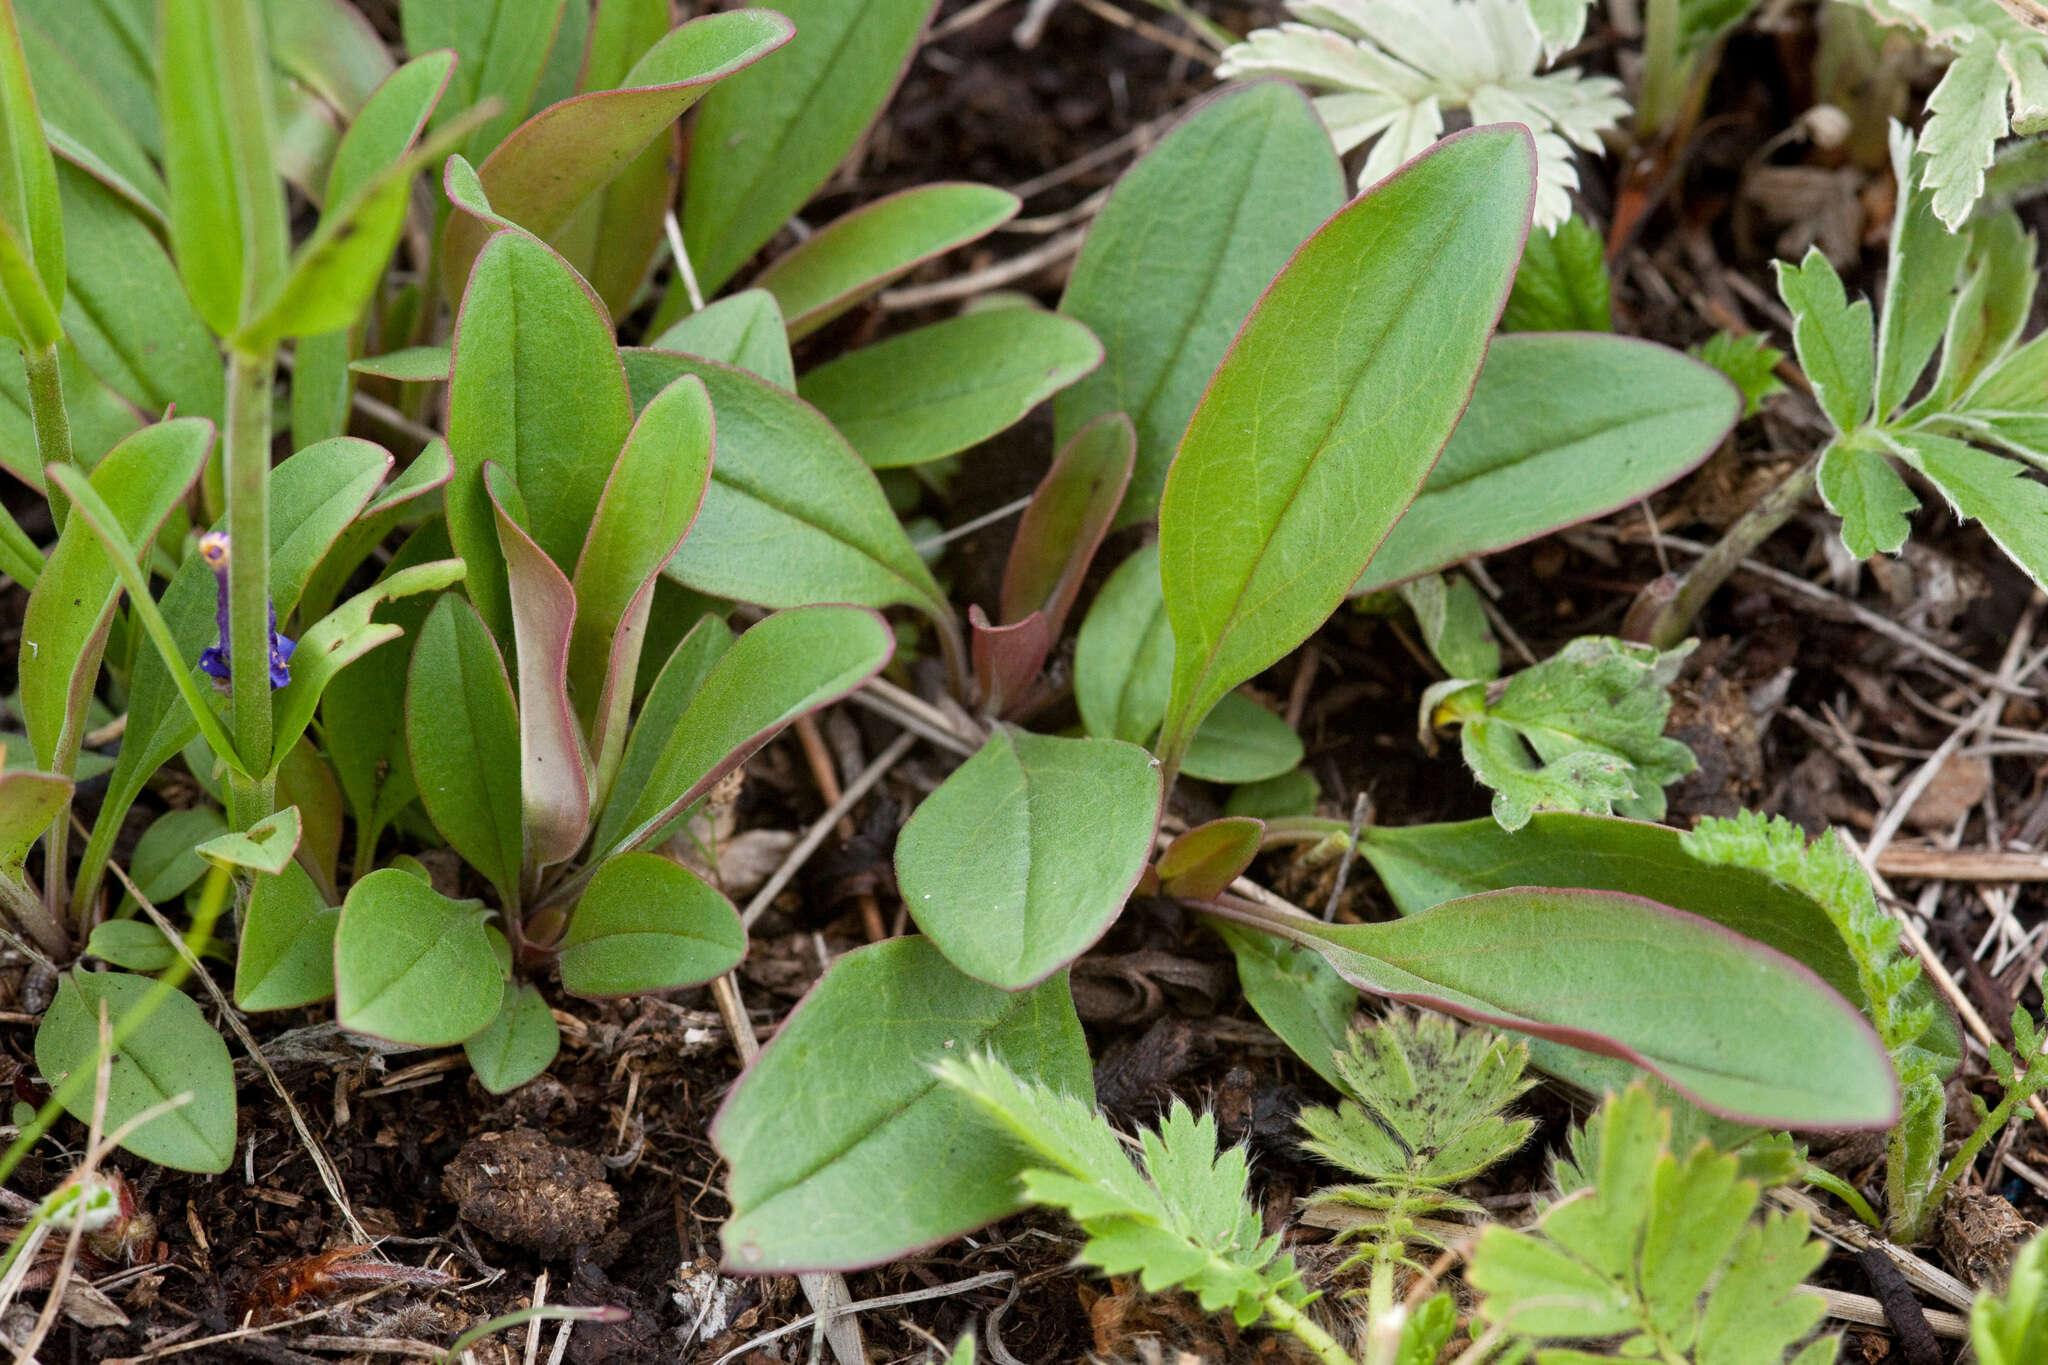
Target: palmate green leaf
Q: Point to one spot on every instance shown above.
(286, 956)
(537, 387)
(1562, 285)
(942, 388)
(1863, 489)
(1561, 429)
(1375, 330)
(1990, 310)
(466, 759)
(1833, 337)
(1736, 1027)
(647, 923)
(501, 47)
(558, 160)
(1181, 251)
(768, 138)
(175, 1053)
(744, 330)
(1297, 995)
(30, 213)
(517, 1045)
(1986, 488)
(64, 631)
(1024, 856)
(861, 253)
(411, 965)
(1661, 1251)
(1186, 1221)
(843, 1148)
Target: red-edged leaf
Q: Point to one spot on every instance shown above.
(1067, 519)
(1202, 862)
(1007, 659)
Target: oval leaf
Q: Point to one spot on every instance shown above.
(646, 923)
(844, 1149)
(1334, 401)
(465, 757)
(411, 965)
(517, 1045)
(743, 329)
(266, 846)
(1202, 862)
(1024, 856)
(1241, 741)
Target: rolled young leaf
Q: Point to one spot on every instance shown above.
(1374, 334)
(1070, 513)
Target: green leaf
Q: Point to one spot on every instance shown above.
(1454, 626)
(64, 631)
(943, 388)
(31, 216)
(844, 1149)
(134, 944)
(1736, 1027)
(743, 330)
(175, 1053)
(1562, 285)
(649, 502)
(537, 387)
(565, 155)
(792, 515)
(228, 225)
(2012, 1328)
(166, 862)
(1966, 118)
(1203, 861)
(1024, 856)
(1863, 489)
(1070, 512)
(1561, 429)
(517, 1045)
(266, 846)
(466, 758)
(1181, 251)
(646, 923)
(1375, 331)
(1241, 741)
(861, 253)
(1123, 658)
(408, 364)
(412, 966)
(322, 386)
(1924, 267)
(1186, 1221)
(786, 666)
(1833, 338)
(286, 958)
(95, 121)
(1986, 488)
(501, 47)
(1290, 794)
(1297, 994)
(768, 138)
(670, 695)
(1749, 362)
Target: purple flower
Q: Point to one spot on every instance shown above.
(213, 660)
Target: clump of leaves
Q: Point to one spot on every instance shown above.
(1581, 731)
(1392, 67)
(1654, 1252)
(1967, 295)
(2012, 1328)
(1749, 361)
(1181, 1222)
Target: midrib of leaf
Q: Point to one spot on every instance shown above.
(428, 948)
(169, 1091)
(726, 476)
(1237, 603)
(1577, 436)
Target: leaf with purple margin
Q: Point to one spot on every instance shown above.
(647, 923)
(1070, 513)
(743, 329)
(1007, 659)
(1202, 862)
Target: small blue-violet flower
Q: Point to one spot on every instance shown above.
(213, 660)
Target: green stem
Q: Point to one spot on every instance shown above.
(1304, 1329)
(1844, 1191)
(1382, 1327)
(1672, 620)
(46, 414)
(246, 472)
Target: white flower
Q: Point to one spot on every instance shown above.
(1392, 67)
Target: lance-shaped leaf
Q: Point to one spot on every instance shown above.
(466, 758)
(843, 1147)
(792, 515)
(501, 48)
(517, 1045)
(554, 781)
(943, 388)
(1070, 513)
(94, 95)
(743, 329)
(861, 253)
(1374, 332)
(411, 965)
(1007, 659)
(767, 138)
(557, 160)
(1561, 429)
(175, 1053)
(64, 631)
(228, 225)
(537, 387)
(1180, 252)
(1123, 660)
(408, 364)
(652, 497)
(1204, 861)
(31, 216)
(343, 636)
(335, 271)
(266, 846)
(1740, 1029)
(647, 923)
(673, 690)
(786, 666)
(1023, 857)
(286, 955)
(616, 236)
